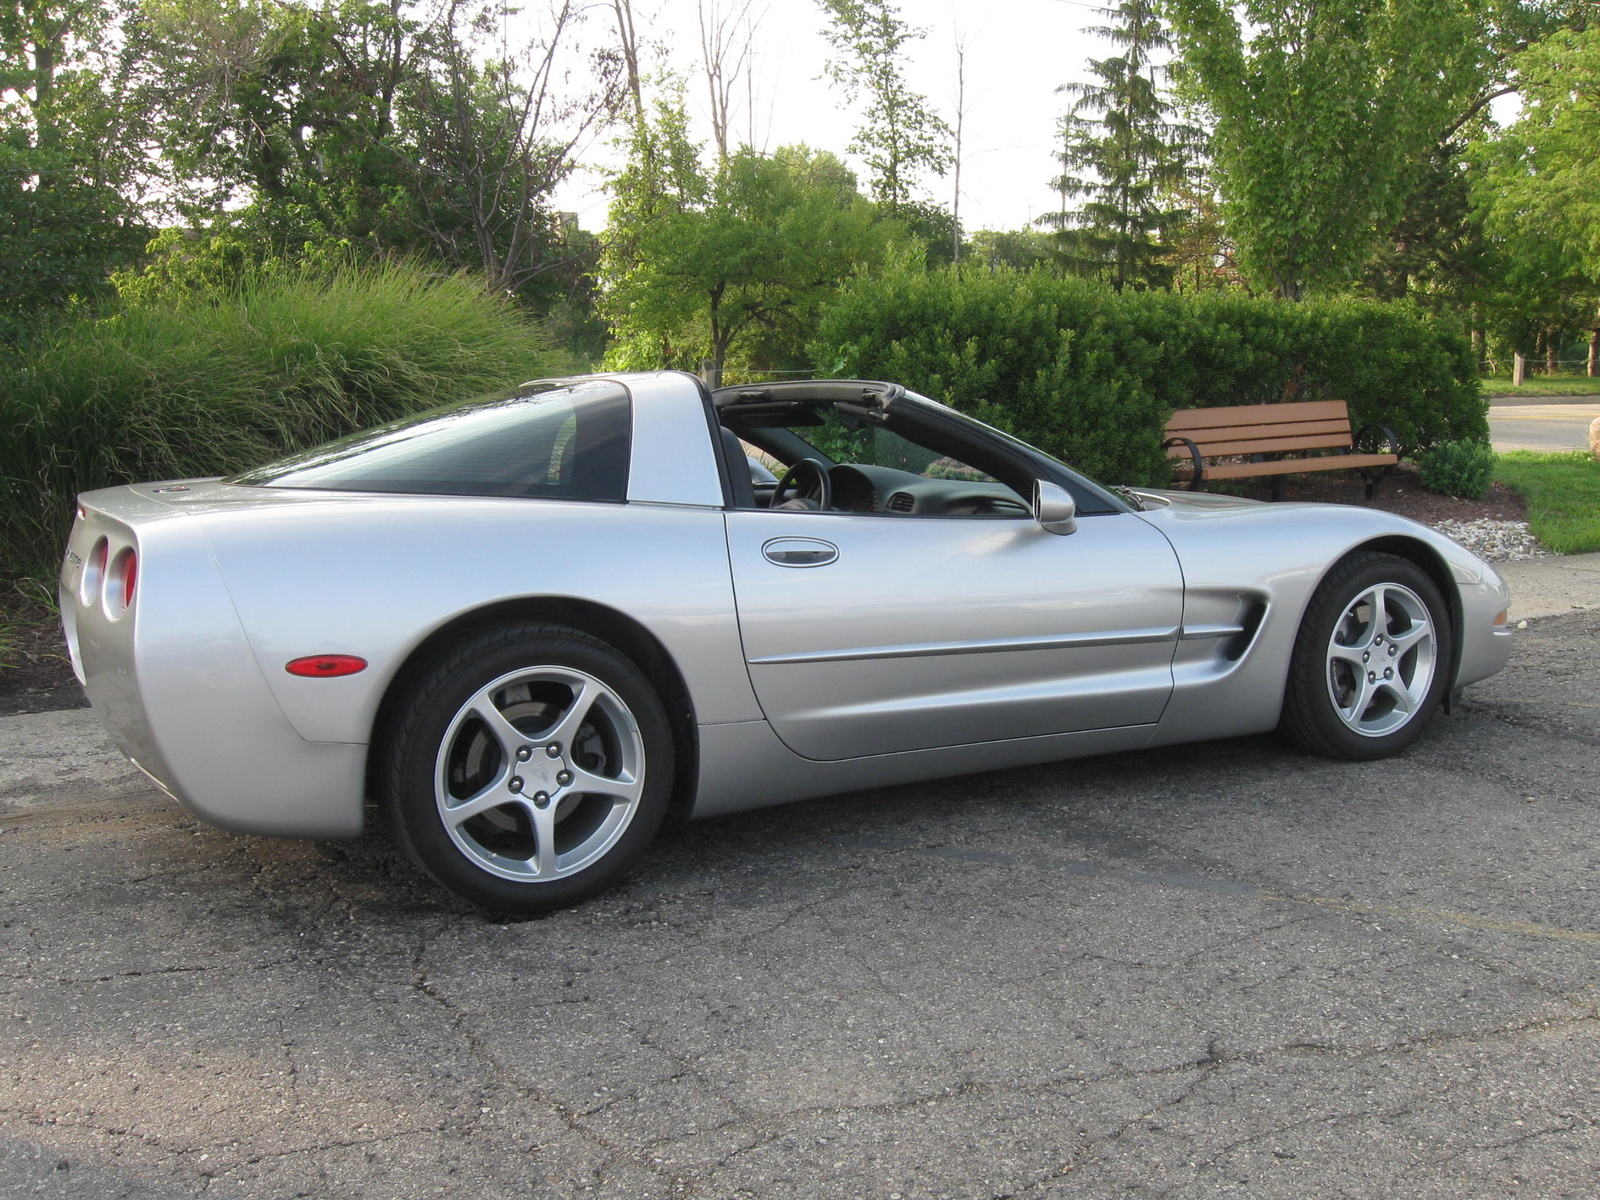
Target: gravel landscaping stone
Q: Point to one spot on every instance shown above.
(1496, 541)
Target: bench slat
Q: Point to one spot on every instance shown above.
(1292, 466)
(1234, 433)
(1257, 414)
(1266, 445)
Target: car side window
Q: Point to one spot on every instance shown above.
(869, 468)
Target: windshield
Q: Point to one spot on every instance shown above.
(853, 441)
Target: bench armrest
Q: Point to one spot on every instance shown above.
(1194, 453)
(1375, 476)
(1365, 430)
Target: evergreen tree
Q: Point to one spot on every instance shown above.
(1122, 156)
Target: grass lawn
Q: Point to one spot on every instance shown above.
(1542, 385)
(1563, 495)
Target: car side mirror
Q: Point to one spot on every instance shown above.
(1054, 508)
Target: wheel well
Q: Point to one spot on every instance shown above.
(616, 629)
(1427, 560)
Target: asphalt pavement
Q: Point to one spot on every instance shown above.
(1229, 969)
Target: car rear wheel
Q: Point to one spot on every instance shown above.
(529, 768)
(1371, 662)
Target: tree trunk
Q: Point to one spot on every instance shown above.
(1594, 353)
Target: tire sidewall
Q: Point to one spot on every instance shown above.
(1310, 716)
(425, 719)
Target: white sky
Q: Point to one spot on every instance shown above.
(1018, 53)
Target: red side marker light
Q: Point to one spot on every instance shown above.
(326, 666)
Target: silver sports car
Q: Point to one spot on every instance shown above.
(529, 626)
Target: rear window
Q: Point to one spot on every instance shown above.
(560, 442)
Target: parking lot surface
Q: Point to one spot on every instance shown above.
(1553, 424)
(1219, 970)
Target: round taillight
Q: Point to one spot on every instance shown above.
(326, 666)
(121, 578)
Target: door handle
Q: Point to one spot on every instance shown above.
(799, 552)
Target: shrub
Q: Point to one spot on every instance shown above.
(1091, 375)
(189, 382)
(1458, 469)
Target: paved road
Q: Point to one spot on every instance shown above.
(1553, 423)
(1222, 970)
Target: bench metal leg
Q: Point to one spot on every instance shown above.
(1374, 478)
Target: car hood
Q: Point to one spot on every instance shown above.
(1228, 528)
(1156, 498)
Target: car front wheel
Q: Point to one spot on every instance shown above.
(529, 768)
(1371, 661)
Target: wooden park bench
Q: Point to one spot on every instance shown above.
(1271, 439)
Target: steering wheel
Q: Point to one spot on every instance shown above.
(808, 479)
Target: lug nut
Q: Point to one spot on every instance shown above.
(553, 749)
(1365, 656)
(524, 754)
(540, 799)
(563, 777)
(516, 784)
(1372, 677)
(1389, 674)
(1393, 651)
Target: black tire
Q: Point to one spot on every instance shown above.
(1359, 688)
(482, 773)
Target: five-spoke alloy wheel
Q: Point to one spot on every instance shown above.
(1371, 660)
(529, 768)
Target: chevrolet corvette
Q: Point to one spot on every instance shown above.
(528, 627)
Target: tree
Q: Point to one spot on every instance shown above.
(388, 127)
(1199, 252)
(1020, 249)
(493, 136)
(1319, 108)
(71, 156)
(1436, 252)
(1540, 193)
(750, 258)
(900, 135)
(725, 42)
(1122, 156)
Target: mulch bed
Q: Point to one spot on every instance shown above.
(1399, 493)
(37, 675)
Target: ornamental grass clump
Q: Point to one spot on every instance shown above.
(194, 381)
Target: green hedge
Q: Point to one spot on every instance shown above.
(196, 383)
(1091, 375)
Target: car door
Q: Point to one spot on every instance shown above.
(874, 633)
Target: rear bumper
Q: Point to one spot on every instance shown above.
(176, 684)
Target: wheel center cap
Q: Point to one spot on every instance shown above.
(539, 773)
